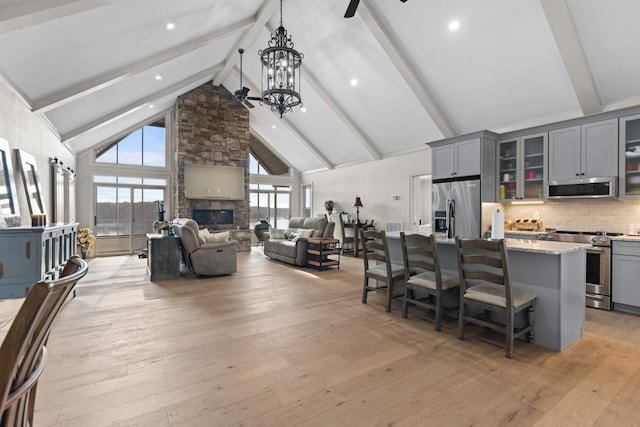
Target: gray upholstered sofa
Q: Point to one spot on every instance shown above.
(204, 259)
(295, 251)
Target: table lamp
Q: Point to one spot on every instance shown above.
(358, 205)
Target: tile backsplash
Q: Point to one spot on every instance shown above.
(612, 215)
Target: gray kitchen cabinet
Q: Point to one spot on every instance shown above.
(457, 159)
(586, 151)
(625, 271)
(629, 182)
(522, 171)
(468, 155)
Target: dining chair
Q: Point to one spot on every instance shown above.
(425, 284)
(23, 352)
(346, 242)
(378, 266)
(485, 288)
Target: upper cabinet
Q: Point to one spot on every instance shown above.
(457, 159)
(630, 156)
(522, 169)
(586, 151)
(463, 156)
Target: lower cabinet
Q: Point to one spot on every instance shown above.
(31, 254)
(625, 271)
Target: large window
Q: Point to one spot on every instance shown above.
(131, 177)
(124, 202)
(255, 167)
(268, 201)
(142, 147)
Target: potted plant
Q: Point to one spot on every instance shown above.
(86, 241)
(165, 228)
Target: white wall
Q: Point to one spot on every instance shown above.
(376, 183)
(24, 130)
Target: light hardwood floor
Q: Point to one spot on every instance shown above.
(275, 345)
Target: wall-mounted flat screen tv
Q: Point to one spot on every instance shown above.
(213, 182)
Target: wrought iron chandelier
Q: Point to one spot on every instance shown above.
(281, 66)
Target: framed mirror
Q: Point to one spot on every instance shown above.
(8, 200)
(35, 197)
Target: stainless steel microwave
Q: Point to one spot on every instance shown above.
(584, 188)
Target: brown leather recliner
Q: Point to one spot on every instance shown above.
(204, 259)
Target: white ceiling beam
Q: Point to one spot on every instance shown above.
(306, 142)
(399, 60)
(572, 53)
(79, 150)
(341, 114)
(111, 78)
(176, 88)
(270, 147)
(269, 7)
(26, 13)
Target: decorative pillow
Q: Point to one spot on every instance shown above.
(304, 232)
(274, 233)
(293, 237)
(218, 237)
(203, 235)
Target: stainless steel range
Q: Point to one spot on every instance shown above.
(598, 284)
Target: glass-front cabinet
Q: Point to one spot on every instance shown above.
(521, 167)
(629, 181)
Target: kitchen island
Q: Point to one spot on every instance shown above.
(554, 271)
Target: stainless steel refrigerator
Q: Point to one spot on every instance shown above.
(457, 207)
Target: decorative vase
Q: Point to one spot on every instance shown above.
(328, 205)
(83, 254)
(165, 232)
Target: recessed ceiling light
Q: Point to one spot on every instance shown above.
(354, 82)
(454, 25)
(304, 110)
(158, 77)
(151, 105)
(273, 126)
(170, 26)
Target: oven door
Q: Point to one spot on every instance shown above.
(599, 277)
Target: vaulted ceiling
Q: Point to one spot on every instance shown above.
(89, 68)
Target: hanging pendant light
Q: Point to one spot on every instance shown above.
(281, 66)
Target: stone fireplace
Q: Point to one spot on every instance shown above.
(207, 133)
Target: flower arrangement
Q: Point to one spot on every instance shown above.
(86, 239)
(165, 226)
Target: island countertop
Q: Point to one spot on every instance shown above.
(554, 271)
(520, 245)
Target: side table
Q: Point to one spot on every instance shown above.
(163, 256)
(323, 253)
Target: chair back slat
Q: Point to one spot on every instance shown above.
(375, 248)
(485, 261)
(23, 352)
(419, 254)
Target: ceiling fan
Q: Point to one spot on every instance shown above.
(241, 95)
(353, 5)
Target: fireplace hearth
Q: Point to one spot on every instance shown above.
(213, 216)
